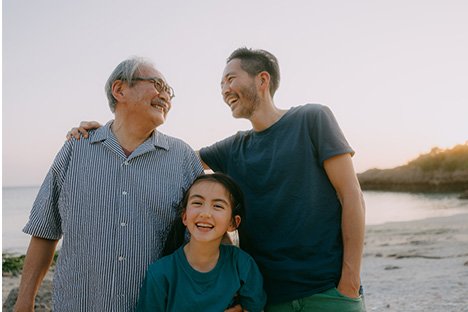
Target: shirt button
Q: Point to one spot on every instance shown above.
(126, 163)
(121, 258)
(123, 224)
(124, 193)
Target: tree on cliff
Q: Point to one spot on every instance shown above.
(439, 170)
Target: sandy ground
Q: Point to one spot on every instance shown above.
(417, 266)
(407, 266)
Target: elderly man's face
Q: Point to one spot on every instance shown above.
(144, 101)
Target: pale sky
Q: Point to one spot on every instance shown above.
(395, 73)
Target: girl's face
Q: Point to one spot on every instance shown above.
(208, 215)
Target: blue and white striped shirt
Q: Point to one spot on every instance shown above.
(113, 213)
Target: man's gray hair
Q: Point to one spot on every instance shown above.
(125, 71)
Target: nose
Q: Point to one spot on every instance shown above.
(205, 211)
(225, 89)
(164, 95)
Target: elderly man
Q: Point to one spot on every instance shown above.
(111, 198)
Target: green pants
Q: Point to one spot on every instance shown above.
(328, 301)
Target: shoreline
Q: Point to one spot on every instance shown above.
(461, 188)
(419, 265)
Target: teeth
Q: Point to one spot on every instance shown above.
(231, 100)
(204, 225)
(159, 107)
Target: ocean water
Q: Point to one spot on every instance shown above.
(16, 204)
(381, 207)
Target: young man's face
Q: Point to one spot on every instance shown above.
(239, 90)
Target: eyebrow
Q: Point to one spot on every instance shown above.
(216, 199)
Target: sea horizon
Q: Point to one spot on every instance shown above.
(381, 207)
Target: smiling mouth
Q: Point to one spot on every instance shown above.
(232, 103)
(230, 100)
(162, 108)
(204, 225)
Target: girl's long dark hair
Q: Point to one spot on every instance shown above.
(177, 233)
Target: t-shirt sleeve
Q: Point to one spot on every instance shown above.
(153, 294)
(252, 294)
(325, 133)
(44, 220)
(216, 155)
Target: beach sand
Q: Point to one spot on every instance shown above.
(417, 266)
(407, 266)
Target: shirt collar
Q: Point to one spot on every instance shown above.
(104, 133)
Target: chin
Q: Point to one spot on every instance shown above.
(159, 120)
(236, 114)
(239, 116)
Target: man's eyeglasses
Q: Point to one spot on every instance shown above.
(159, 84)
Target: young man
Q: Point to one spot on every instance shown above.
(304, 222)
(112, 198)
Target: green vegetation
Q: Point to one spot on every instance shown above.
(11, 264)
(449, 160)
(440, 170)
(14, 264)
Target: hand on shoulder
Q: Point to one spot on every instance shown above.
(82, 129)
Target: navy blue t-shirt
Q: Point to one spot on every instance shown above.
(292, 226)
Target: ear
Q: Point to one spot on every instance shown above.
(235, 223)
(264, 80)
(184, 218)
(118, 90)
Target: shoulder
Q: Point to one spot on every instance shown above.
(161, 266)
(93, 135)
(315, 115)
(236, 253)
(225, 144)
(310, 109)
(229, 249)
(84, 147)
(172, 143)
(239, 135)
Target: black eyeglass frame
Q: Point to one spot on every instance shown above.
(159, 84)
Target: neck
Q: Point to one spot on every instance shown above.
(202, 257)
(266, 115)
(130, 134)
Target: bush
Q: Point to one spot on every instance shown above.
(11, 264)
(14, 264)
(448, 160)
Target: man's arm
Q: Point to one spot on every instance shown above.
(36, 264)
(82, 129)
(205, 166)
(341, 173)
(84, 126)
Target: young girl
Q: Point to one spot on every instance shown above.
(204, 275)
